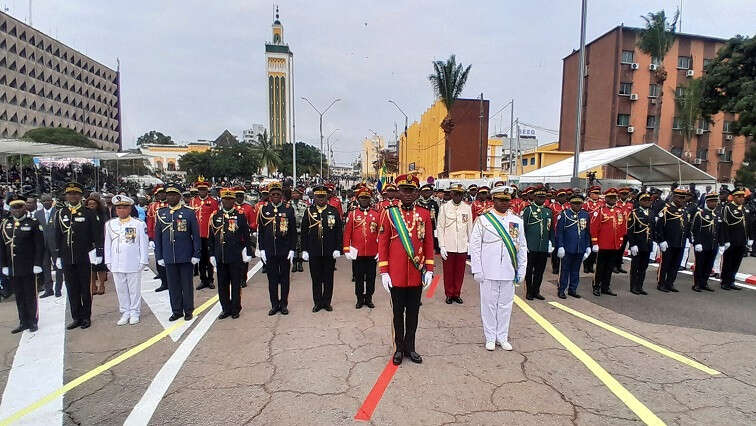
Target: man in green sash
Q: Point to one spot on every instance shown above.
(539, 233)
(498, 258)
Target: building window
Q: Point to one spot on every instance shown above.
(676, 150)
(702, 154)
(653, 90)
(679, 92)
(651, 122)
(727, 156)
(684, 62)
(623, 120)
(627, 56)
(676, 123)
(625, 89)
(532, 161)
(524, 161)
(727, 127)
(706, 63)
(703, 125)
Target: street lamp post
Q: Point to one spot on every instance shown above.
(328, 148)
(405, 132)
(321, 114)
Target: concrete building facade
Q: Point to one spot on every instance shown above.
(278, 62)
(165, 158)
(369, 155)
(44, 83)
(625, 101)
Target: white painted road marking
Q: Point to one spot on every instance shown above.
(37, 368)
(145, 408)
(160, 303)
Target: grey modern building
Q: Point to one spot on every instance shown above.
(44, 83)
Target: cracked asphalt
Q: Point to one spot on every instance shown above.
(317, 368)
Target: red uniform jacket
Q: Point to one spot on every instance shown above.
(151, 212)
(387, 203)
(590, 206)
(255, 212)
(608, 227)
(393, 259)
(361, 231)
(204, 209)
(336, 202)
(248, 211)
(556, 210)
(519, 206)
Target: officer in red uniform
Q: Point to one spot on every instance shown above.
(334, 200)
(260, 203)
(405, 271)
(591, 204)
(361, 246)
(608, 228)
(204, 207)
(481, 203)
(556, 206)
(249, 214)
(159, 194)
(389, 197)
(625, 203)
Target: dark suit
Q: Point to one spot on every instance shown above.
(48, 232)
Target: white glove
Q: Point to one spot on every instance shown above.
(290, 257)
(587, 253)
(634, 250)
(560, 252)
(551, 247)
(152, 245)
(595, 248)
(386, 280)
(213, 261)
(161, 262)
(94, 258)
(698, 248)
(726, 245)
(245, 257)
(478, 277)
(37, 269)
(257, 252)
(663, 246)
(305, 256)
(750, 243)
(254, 234)
(376, 257)
(6, 271)
(262, 256)
(59, 263)
(336, 254)
(351, 254)
(427, 278)
(195, 260)
(444, 253)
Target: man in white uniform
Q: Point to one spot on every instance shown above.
(498, 255)
(126, 244)
(453, 226)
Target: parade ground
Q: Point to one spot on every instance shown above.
(674, 358)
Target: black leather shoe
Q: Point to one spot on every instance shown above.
(75, 324)
(161, 288)
(58, 294)
(294, 266)
(316, 308)
(244, 285)
(369, 304)
(328, 308)
(662, 289)
(574, 294)
(211, 286)
(707, 288)
(673, 289)
(46, 294)
(449, 301)
(696, 289)
(33, 328)
(459, 300)
(19, 329)
(562, 296)
(235, 316)
(358, 305)
(620, 271)
(397, 360)
(223, 315)
(529, 297)
(273, 311)
(596, 292)
(634, 291)
(643, 292)
(726, 287)
(539, 297)
(734, 287)
(174, 317)
(608, 292)
(415, 357)
(85, 324)
(202, 285)
(284, 310)
(188, 316)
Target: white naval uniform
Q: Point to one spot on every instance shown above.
(454, 224)
(490, 258)
(126, 255)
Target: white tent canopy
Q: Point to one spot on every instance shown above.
(648, 163)
(37, 149)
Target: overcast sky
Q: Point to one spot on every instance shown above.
(194, 68)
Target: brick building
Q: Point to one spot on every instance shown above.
(44, 83)
(623, 102)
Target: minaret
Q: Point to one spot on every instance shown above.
(278, 60)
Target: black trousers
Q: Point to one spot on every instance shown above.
(704, 264)
(555, 261)
(405, 302)
(230, 278)
(621, 252)
(180, 289)
(605, 263)
(590, 261)
(205, 267)
(534, 272)
(731, 263)
(79, 292)
(25, 287)
(670, 263)
(638, 267)
(364, 283)
(47, 267)
(321, 272)
(163, 277)
(277, 269)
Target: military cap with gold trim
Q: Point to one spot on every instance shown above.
(158, 188)
(561, 192)
(539, 191)
(227, 193)
(738, 192)
(426, 186)
(407, 180)
(473, 186)
(499, 183)
(201, 183)
(577, 198)
(712, 196)
(122, 200)
(623, 190)
(364, 191)
(239, 190)
(320, 190)
(595, 189)
(644, 196)
(501, 193)
(173, 187)
(457, 187)
(73, 187)
(275, 185)
(483, 189)
(611, 192)
(16, 201)
(680, 191)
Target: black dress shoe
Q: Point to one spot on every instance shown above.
(19, 329)
(734, 287)
(529, 297)
(58, 294)
(458, 300)
(596, 292)
(726, 287)
(85, 324)
(634, 291)
(284, 310)
(696, 289)
(449, 301)
(620, 271)
(358, 305)
(707, 288)
(369, 304)
(156, 277)
(397, 359)
(235, 316)
(273, 311)
(202, 285)
(681, 268)
(188, 316)
(223, 315)
(174, 317)
(46, 294)
(316, 308)
(608, 292)
(33, 328)
(574, 294)
(673, 289)
(244, 285)
(662, 289)
(328, 308)
(643, 292)
(415, 357)
(562, 296)
(539, 297)
(75, 324)
(211, 286)
(161, 288)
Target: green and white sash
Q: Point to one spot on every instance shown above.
(506, 238)
(404, 237)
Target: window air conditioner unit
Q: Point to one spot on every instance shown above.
(699, 131)
(690, 73)
(630, 129)
(633, 96)
(653, 101)
(653, 67)
(633, 66)
(721, 151)
(687, 154)
(697, 161)
(728, 137)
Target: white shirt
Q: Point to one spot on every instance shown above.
(453, 226)
(126, 245)
(489, 255)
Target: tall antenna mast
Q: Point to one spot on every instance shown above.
(30, 13)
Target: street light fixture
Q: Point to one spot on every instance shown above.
(321, 114)
(328, 148)
(405, 131)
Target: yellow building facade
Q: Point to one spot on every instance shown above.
(166, 157)
(422, 151)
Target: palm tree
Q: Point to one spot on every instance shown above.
(266, 152)
(688, 105)
(448, 80)
(656, 40)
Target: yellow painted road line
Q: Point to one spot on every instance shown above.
(616, 387)
(104, 367)
(643, 342)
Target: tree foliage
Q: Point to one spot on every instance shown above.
(59, 136)
(448, 80)
(729, 84)
(266, 152)
(221, 162)
(155, 138)
(308, 160)
(746, 174)
(658, 37)
(390, 158)
(689, 108)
